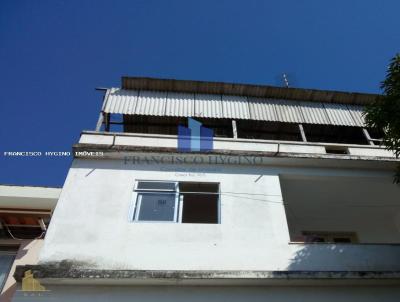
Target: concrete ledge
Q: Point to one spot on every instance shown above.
(151, 142)
(28, 197)
(68, 274)
(125, 152)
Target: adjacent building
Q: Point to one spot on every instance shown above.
(25, 214)
(194, 191)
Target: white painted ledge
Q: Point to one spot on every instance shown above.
(229, 144)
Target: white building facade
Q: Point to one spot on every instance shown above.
(294, 201)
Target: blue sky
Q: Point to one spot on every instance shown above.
(54, 53)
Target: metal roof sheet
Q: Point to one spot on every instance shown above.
(151, 103)
(162, 103)
(180, 104)
(121, 101)
(262, 109)
(357, 114)
(314, 113)
(208, 105)
(235, 106)
(339, 114)
(288, 111)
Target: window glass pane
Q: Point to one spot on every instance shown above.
(5, 266)
(200, 202)
(152, 185)
(156, 207)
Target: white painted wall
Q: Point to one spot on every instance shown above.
(370, 207)
(91, 223)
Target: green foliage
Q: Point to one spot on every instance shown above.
(384, 113)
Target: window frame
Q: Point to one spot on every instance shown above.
(179, 201)
(137, 181)
(137, 201)
(13, 253)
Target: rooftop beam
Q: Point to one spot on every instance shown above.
(264, 91)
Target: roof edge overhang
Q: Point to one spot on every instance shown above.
(142, 154)
(251, 90)
(60, 274)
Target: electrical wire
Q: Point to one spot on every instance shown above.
(16, 238)
(279, 201)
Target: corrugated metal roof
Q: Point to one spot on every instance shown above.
(151, 103)
(180, 104)
(233, 106)
(339, 114)
(208, 105)
(314, 113)
(289, 111)
(262, 109)
(357, 114)
(121, 101)
(162, 103)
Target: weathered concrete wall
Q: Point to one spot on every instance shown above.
(211, 294)
(94, 207)
(91, 223)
